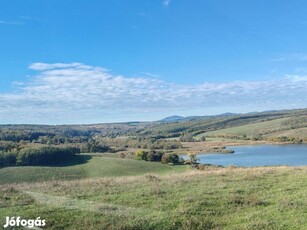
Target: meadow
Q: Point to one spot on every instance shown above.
(216, 198)
(84, 166)
(253, 129)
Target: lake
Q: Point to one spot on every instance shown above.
(260, 155)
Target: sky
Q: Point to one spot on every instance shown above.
(92, 61)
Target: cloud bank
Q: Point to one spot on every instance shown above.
(78, 93)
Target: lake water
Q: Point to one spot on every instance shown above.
(260, 155)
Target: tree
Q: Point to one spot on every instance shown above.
(170, 158)
(193, 158)
(140, 155)
(186, 137)
(154, 156)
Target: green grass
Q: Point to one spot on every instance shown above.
(231, 198)
(254, 129)
(301, 133)
(85, 166)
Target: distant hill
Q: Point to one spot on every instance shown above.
(265, 124)
(226, 114)
(177, 118)
(172, 119)
(250, 125)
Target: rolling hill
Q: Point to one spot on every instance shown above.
(84, 166)
(251, 124)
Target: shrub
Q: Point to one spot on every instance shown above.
(170, 158)
(193, 158)
(154, 156)
(148, 156)
(186, 137)
(201, 167)
(140, 155)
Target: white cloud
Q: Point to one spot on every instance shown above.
(166, 3)
(77, 93)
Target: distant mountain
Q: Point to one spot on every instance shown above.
(174, 118)
(177, 118)
(226, 114)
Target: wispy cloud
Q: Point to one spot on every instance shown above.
(76, 93)
(291, 57)
(16, 23)
(28, 18)
(148, 74)
(22, 20)
(166, 3)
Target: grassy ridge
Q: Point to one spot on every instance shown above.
(301, 133)
(84, 166)
(231, 198)
(294, 118)
(272, 128)
(250, 129)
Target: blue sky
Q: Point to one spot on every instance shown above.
(77, 61)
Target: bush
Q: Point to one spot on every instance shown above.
(148, 156)
(201, 167)
(154, 156)
(140, 155)
(170, 158)
(186, 137)
(193, 158)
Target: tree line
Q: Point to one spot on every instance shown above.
(44, 155)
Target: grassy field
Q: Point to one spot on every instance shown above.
(250, 129)
(272, 128)
(84, 166)
(226, 198)
(301, 133)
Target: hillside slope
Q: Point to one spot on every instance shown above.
(294, 127)
(249, 124)
(92, 167)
